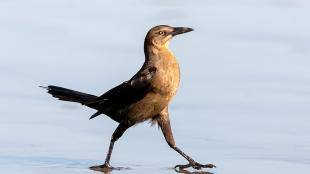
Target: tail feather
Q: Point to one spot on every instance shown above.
(69, 95)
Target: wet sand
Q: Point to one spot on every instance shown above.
(243, 103)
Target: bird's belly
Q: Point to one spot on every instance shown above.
(148, 107)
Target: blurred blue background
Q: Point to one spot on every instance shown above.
(243, 102)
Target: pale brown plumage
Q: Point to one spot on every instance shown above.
(144, 97)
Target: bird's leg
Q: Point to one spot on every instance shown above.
(122, 127)
(164, 124)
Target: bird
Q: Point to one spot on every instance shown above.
(143, 97)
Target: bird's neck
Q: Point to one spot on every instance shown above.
(153, 53)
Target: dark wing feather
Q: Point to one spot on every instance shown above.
(124, 94)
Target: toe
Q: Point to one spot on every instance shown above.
(182, 166)
(209, 166)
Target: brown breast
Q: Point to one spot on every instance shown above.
(167, 78)
(164, 87)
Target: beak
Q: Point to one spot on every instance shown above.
(181, 30)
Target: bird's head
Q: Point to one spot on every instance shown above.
(160, 35)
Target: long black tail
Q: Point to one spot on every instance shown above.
(70, 95)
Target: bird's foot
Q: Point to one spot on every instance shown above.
(102, 168)
(195, 165)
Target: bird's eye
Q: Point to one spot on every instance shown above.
(161, 33)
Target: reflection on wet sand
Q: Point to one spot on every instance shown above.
(107, 170)
(189, 172)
